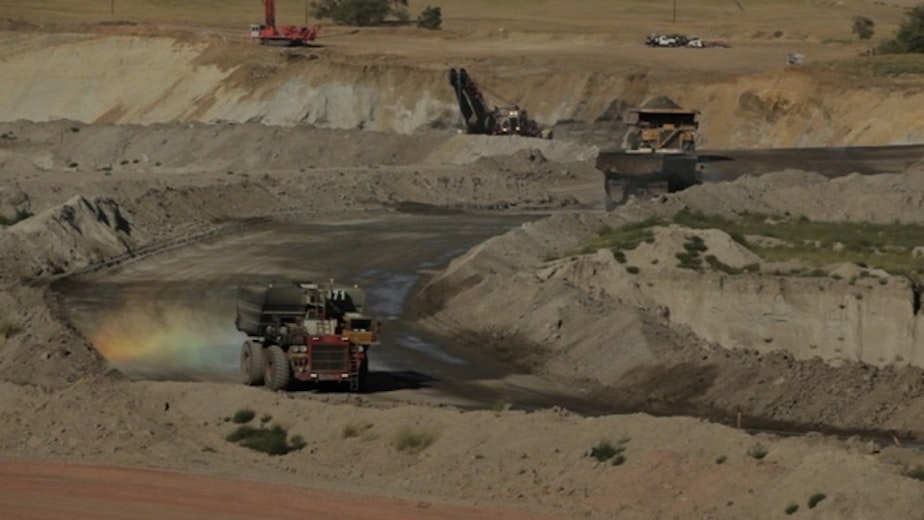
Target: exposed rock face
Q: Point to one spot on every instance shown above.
(71, 236)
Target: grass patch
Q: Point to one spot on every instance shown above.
(243, 416)
(500, 406)
(814, 244)
(272, 441)
(815, 499)
(916, 473)
(606, 451)
(9, 328)
(352, 430)
(409, 440)
(889, 65)
(623, 238)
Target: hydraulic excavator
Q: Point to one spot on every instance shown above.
(479, 119)
(286, 35)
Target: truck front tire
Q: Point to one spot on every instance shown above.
(277, 370)
(252, 361)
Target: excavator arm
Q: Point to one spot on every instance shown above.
(471, 102)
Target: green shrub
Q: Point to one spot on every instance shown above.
(909, 38)
(689, 260)
(430, 18)
(297, 442)
(271, 441)
(791, 508)
(412, 441)
(757, 451)
(631, 269)
(9, 328)
(863, 27)
(916, 472)
(815, 499)
(243, 416)
(265, 418)
(359, 12)
(605, 451)
(721, 459)
(352, 12)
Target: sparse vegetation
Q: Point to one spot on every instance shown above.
(18, 217)
(815, 499)
(265, 418)
(430, 18)
(887, 65)
(863, 27)
(9, 328)
(243, 416)
(500, 406)
(412, 441)
(360, 12)
(690, 257)
(355, 430)
(272, 441)
(782, 238)
(606, 451)
(909, 38)
(758, 451)
(916, 472)
(623, 238)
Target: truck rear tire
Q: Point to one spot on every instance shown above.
(252, 361)
(277, 371)
(362, 378)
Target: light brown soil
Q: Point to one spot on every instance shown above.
(169, 128)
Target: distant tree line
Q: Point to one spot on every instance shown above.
(374, 12)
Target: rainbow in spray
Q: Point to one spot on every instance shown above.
(177, 342)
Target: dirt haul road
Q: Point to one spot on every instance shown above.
(222, 145)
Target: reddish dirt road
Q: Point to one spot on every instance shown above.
(54, 491)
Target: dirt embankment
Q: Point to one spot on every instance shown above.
(134, 79)
(648, 335)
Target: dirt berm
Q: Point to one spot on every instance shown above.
(837, 350)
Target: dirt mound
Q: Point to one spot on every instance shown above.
(14, 204)
(700, 329)
(661, 102)
(464, 149)
(69, 237)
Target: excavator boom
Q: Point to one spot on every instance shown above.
(479, 119)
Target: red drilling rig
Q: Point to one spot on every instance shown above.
(288, 35)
